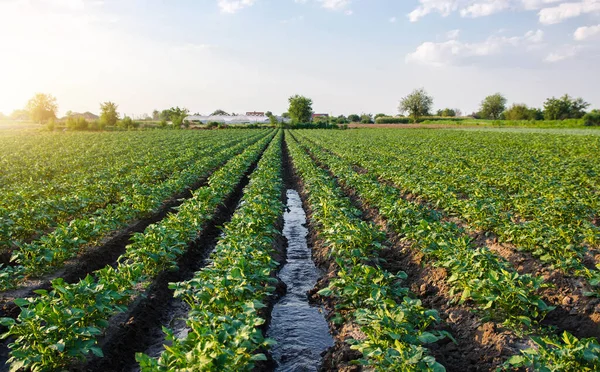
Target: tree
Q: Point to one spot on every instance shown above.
(592, 118)
(300, 109)
(493, 106)
(446, 113)
(564, 108)
(380, 116)
(219, 113)
(354, 118)
(20, 115)
(156, 115)
(285, 115)
(342, 119)
(366, 119)
(520, 111)
(42, 107)
(108, 113)
(417, 104)
(272, 118)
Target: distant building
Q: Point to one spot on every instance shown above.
(233, 119)
(255, 113)
(315, 116)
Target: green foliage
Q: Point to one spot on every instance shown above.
(354, 118)
(50, 125)
(77, 123)
(493, 106)
(176, 115)
(522, 112)
(476, 274)
(395, 325)
(42, 107)
(447, 112)
(219, 113)
(380, 116)
(417, 104)
(225, 298)
(20, 115)
(554, 354)
(564, 107)
(392, 120)
(366, 119)
(108, 114)
(300, 109)
(64, 324)
(592, 118)
(126, 123)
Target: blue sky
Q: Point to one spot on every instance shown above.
(349, 56)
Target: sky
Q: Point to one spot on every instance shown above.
(349, 56)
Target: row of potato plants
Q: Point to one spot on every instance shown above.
(63, 325)
(49, 185)
(226, 297)
(476, 274)
(394, 322)
(69, 239)
(537, 192)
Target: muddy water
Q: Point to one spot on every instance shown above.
(300, 330)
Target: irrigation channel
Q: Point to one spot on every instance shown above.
(300, 330)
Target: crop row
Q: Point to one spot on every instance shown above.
(394, 322)
(475, 273)
(518, 189)
(60, 326)
(227, 296)
(42, 190)
(67, 240)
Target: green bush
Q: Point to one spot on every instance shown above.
(126, 123)
(77, 123)
(592, 118)
(391, 120)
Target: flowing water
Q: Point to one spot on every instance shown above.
(300, 330)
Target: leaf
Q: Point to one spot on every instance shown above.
(428, 338)
(97, 351)
(326, 292)
(7, 322)
(259, 357)
(516, 360)
(21, 302)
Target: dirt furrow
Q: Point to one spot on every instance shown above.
(140, 328)
(575, 312)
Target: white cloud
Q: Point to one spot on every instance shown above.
(485, 8)
(566, 52)
(565, 11)
(453, 34)
(549, 12)
(334, 4)
(586, 32)
(233, 6)
(455, 51)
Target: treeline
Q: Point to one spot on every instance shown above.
(418, 107)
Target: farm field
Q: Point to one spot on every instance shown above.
(457, 250)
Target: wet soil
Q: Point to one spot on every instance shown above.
(94, 258)
(140, 328)
(300, 329)
(482, 345)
